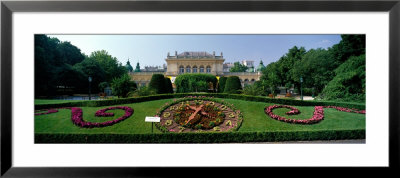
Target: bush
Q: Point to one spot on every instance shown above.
(157, 83)
(221, 84)
(168, 85)
(142, 91)
(123, 85)
(233, 85)
(194, 82)
(252, 90)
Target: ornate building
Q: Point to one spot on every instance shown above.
(194, 62)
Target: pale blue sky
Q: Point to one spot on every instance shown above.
(151, 50)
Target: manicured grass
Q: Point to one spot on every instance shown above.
(255, 120)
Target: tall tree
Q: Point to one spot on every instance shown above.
(92, 68)
(45, 63)
(69, 54)
(238, 67)
(316, 68)
(111, 66)
(349, 82)
(350, 45)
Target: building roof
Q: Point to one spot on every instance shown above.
(195, 54)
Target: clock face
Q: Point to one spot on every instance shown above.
(199, 116)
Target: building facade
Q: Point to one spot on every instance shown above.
(195, 62)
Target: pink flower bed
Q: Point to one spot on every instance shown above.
(77, 116)
(317, 116)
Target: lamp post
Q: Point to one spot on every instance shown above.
(90, 80)
(301, 88)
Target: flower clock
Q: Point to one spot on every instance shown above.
(318, 114)
(77, 116)
(199, 115)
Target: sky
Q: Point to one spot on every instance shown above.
(151, 50)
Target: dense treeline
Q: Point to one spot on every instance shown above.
(61, 68)
(336, 73)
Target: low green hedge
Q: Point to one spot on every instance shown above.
(208, 137)
(98, 103)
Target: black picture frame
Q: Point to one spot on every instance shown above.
(8, 7)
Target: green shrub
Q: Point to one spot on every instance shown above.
(157, 83)
(123, 85)
(233, 85)
(253, 90)
(142, 91)
(168, 85)
(221, 84)
(194, 82)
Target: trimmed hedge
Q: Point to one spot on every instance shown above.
(157, 83)
(208, 137)
(221, 84)
(98, 103)
(233, 85)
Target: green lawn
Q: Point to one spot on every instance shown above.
(254, 119)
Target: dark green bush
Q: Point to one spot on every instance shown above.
(221, 84)
(233, 85)
(194, 82)
(157, 83)
(168, 85)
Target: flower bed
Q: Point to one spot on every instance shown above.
(77, 116)
(317, 116)
(198, 114)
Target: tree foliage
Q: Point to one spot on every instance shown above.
(238, 67)
(321, 70)
(61, 68)
(349, 82)
(123, 85)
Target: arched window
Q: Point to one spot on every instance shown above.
(208, 69)
(246, 80)
(181, 69)
(252, 80)
(201, 69)
(187, 69)
(194, 69)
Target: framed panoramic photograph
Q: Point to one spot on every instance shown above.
(103, 88)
